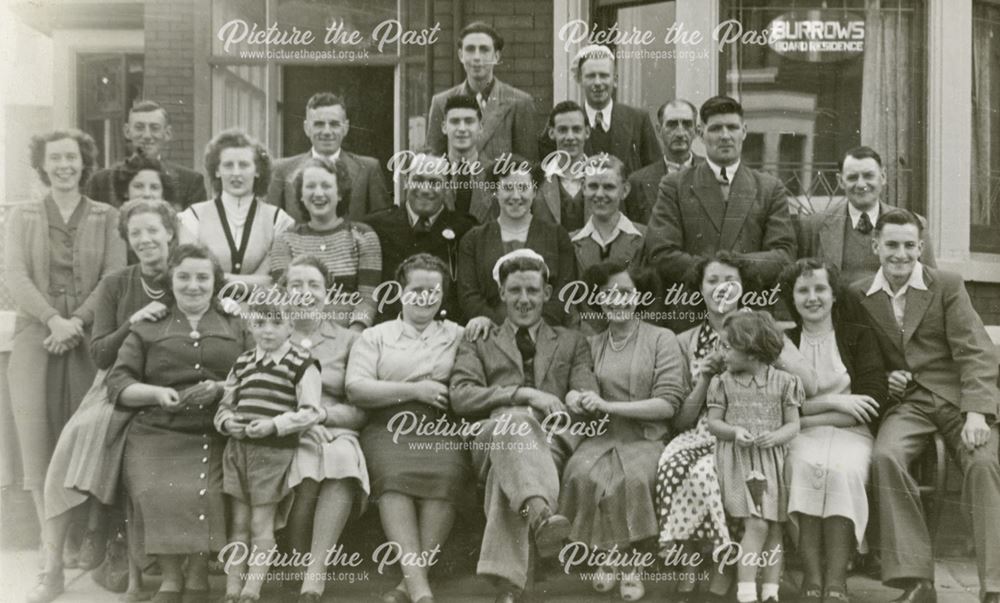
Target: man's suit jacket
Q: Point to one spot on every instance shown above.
(633, 138)
(189, 186)
(644, 185)
(482, 206)
(508, 122)
(821, 235)
(399, 241)
(548, 202)
(942, 340)
(691, 220)
(487, 372)
(368, 192)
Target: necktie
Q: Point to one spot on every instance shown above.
(864, 224)
(423, 224)
(481, 101)
(600, 122)
(527, 348)
(724, 183)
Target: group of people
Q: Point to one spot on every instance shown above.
(245, 347)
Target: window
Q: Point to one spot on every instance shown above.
(985, 219)
(815, 93)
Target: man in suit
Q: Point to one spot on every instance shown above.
(943, 370)
(326, 125)
(721, 204)
(523, 383)
(148, 131)
(508, 113)
(422, 224)
(615, 128)
(842, 233)
(678, 119)
(560, 196)
(468, 192)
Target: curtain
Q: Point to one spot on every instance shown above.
(985, 198)
(890, 112)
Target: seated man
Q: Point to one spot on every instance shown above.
(522, 382)
(608, 234)
(943, 370)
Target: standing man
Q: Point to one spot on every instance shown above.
(508, 113)
(560, 198)
(326, 125)
(843, 233)
(148, 131)
(678, 119)
(422, 224)
(615, 128)
(721, 204)
(518, 380)
(943, 370)
(468, 192)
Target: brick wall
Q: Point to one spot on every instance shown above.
(986, 300)
(526, 61)
(169, 70)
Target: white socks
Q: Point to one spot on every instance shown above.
(768, 591)
(746, 592)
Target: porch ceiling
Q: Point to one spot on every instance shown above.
(49, 15)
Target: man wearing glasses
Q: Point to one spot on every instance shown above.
(678, 119)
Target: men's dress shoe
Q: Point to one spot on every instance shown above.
(508, 596)
(395, 596)
(811, 593)
(309, 598)
(550, 531)
(921, 591)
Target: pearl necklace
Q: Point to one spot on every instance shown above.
(152, 293)
(624, 343)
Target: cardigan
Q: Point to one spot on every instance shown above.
(98, 250)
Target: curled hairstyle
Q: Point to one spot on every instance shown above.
(168, 217)
(523, 264)
(197, 251)
(720, 105)
(423, 261)
(805, 267)
(237, 139)
(899, 217)
(338, 170)
(88, 152)
(481, 27)
(644, 278)
(124, 174)
(696, 273)
(755, 334)
(311, 261)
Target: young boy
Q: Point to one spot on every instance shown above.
(272, 396)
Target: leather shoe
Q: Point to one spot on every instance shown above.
(309, 597)
(550, 531)
(508, 596)
(921, 591)
(395, 596)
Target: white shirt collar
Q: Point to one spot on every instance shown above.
(532, 330)
(414, 217)
(605, 113)
(717, 169)
(624, 225)
(686, 163)
(331, 158)
(916, 280)
(276, 355)
(855, 213)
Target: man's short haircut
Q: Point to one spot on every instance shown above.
(148, 106)
(566, 106)
(673, 103)
(898, 216)
(481, 27)
(523, 264)
(603, 161)
(462, 101)
(325, 99)
(861, 152)
(720, 105)
(594, 51)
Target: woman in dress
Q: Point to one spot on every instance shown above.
(57, 251)
(238, 226)
(170, 373)
(608, 490)
(399, 372)
(349, 250)
(328, 473)
(691, 513)
(514, 228)
(86, 461)
(828, 463)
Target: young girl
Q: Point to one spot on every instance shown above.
(753, 411)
